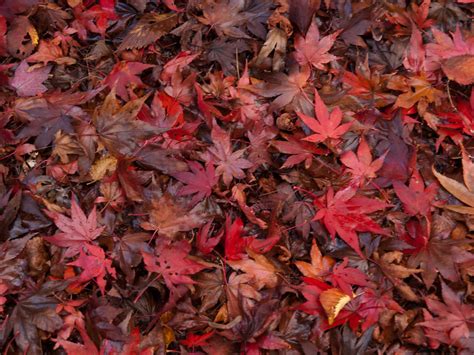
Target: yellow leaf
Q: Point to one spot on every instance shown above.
(333, 301)
(102, 166)
(33, 35)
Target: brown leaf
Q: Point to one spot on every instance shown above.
(459, 191)
(36, 255)
(262, 270)
(460, 69)
(149, 29)
(118, 128)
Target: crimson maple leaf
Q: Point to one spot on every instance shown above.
(415, 198)
(199, 182)
(230, 164)
(125, 74)
(344, 214)
(206, 243)
(344, 277)
(361, 166)
(299, 150)
(452, 319)
(193, 340)
(372, 304)
(95, 266)
(172, 262)
(77, 231)
(314, 50)
(325, 125)
(234, 244)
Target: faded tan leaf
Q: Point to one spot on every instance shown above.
(459, 191)
(262, 270)
(148, 30)
(102, 166)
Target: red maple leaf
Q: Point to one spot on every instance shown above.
(206, 243)
(199, 182)
(230, 164)
(193, 340)
(452, 319)
(344, 277)
(416, 199)
(372, 304)
(314, 50)
(123, 75)
(234, 244)
(361, 166)
(172, 262)
(345, 214)
(95, 266)
(77, 231)
(298, 150)
(325, 125)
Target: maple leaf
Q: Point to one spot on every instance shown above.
(298, 149)
(50, 51)
(344, 277)
(166, 112)
(179, 62)
(234, 244)
(227, 17)
(416, 15)
(320, 265)
(372, 304)
(344, 214)
(368, 86)
(168, 216)
(76, 232)
(288, 89)
(150, 28)
(361, 166)
(415, 55)
(417, 89)
(435, 253)
(95, 266)
(206, 243)
(50, 113)
(118, 129)
(259, 267)
(171, 260)
(123, 75)
(88, 348)
(452, 319)
(199, 182)
(454, 55)
(314, 50)
(193, 340)
(416, 199)
(230, 164)
(29, 82)
(327, 126)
